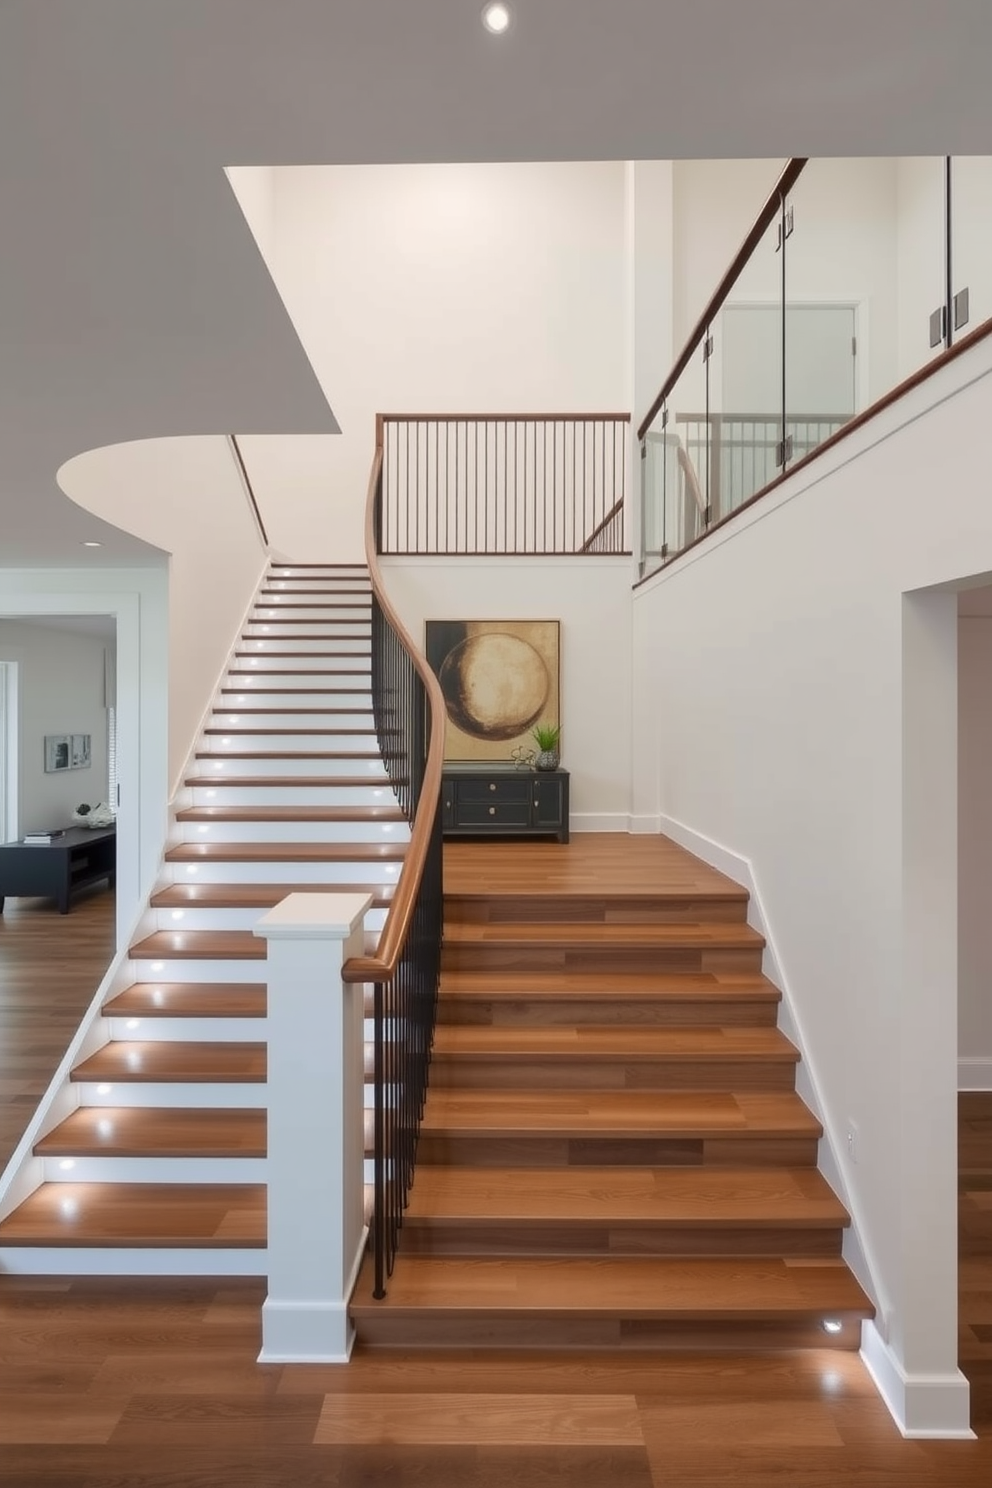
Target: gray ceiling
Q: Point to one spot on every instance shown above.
(133, 301)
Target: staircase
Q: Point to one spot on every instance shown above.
(613, 1154)
(161, 1166)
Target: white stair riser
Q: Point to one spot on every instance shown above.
(231, 794)
(156, 1170)
(286, 718)
(353, 663)
(290, 831)
(188, 1030)
(72, 1260)
(193, 918)
(279, 620)
(350, 641)
(197, 970)
(172, 1094)
(303, 607)
(267, 873)
(258, 696)
(221, 745)
(286, 576)
(225, 768)
(321, 675)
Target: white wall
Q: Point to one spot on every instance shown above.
(920, 257)
(186, 496)
(138, 598)
(453, 288)
(799, 712)
(975, 839)
(60, 690)
(310, 514)
(591, 598)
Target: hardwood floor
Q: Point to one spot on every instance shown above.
(50, 968)
(154, 1384)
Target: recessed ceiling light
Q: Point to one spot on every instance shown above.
(497, 17)
(92, 545)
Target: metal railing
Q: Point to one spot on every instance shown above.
(519, 485)
(409, 719)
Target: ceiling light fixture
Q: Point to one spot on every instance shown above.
(497, 17)
(92, 545)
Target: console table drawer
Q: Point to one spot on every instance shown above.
(489, 792)
(481, 814)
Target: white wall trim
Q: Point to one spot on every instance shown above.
(599, 821)
(975, 1073)
(857, 1253)
(924, 1405)
(648, 823)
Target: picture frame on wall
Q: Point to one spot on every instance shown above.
(58, 752)
(80, 757)
(499, 679)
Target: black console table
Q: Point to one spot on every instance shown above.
(82, 855)
(499, 801)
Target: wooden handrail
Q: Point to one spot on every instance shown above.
(239, 460)
(613, 512)
(763, 221)
(399, 919)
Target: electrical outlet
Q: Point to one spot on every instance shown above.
(852, 1142)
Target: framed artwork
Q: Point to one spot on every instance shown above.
(58, 752)
(67, 752)
(499, 678)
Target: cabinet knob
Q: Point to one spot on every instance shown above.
(492, 785)
(492, 811)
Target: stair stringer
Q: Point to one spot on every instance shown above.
(857, 1251)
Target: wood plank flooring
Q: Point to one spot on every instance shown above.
(154, 1384)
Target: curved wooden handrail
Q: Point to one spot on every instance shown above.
(763, 221)
(381, 966)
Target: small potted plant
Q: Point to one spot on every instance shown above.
(546, 737)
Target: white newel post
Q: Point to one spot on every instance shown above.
(316, 1146)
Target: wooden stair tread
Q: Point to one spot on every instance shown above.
(160, 1060)
(595, 1113)
(755, 1198)
(199, 945)
(142, 1131)
(291, 814)
(286, 852)
(620, 985)
(147, 1215)
(258, 896)
(646, 1287)
(211, 945)
(189, 1000)
(715, 933)
(453, 1041)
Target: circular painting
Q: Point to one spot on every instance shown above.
(495, 685)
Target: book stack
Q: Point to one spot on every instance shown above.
(49, 835)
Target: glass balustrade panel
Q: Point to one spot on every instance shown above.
(971, 243)
(745, 381)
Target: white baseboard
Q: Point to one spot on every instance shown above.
(648, 824)
(975, 1074)
(923, 1405)
(598, 821)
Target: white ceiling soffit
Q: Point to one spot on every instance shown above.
(133, 300)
